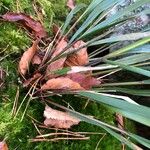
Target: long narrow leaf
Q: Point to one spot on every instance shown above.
(135, 112)
(103, 5)
(70, 16)
(128, 48)
(126, 37)
(114, 18)
(130, 68)
(130, 91)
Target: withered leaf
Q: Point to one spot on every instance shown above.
(36, 60)
(59, 119)
(60, 46)
(35, 77)
(79, 58)
(27, 57)
(71, 4)
(61, 83)
(58, 64)
(3, 146)
(85, 81)
(120, 121)
(29, 23)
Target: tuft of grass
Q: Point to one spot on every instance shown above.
(18, 133)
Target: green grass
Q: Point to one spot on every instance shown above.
(18, 133)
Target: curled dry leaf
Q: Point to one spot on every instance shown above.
(61, 83)
(27, 57)
(59, 119)
(29, 23)
(71, 4)
(3, 146)
(31, 80)
(85, 81)
(79, 58)
(36, 60)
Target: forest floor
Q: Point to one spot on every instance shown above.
(13, 42)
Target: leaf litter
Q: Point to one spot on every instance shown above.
(3, 146)
(59, 119)
(35, 27)
(43, 73)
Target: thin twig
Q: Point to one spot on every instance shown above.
(14, 109)
(59, 133)
(58, 139)
(96, 148)
(37, 128)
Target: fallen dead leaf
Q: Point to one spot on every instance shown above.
(58, 64)
(27, 57)
(71, 4)
(59, 119)
(29, 23)
(31, 80)
(59, 48)
(3, 146)
(79, 58)
(36, 60)
(61, 83)
(85, 81)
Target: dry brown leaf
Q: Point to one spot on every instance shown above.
(3, 146)
(61, 83)
(58, 64)
(28, 22)
(120, 121)
(79, 58)
(59, 119)
(85, 81)
(31, 80)
(27, 57)
(36, 60)
(59, 48)
(71, 4)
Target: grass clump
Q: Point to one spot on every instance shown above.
(18, 133)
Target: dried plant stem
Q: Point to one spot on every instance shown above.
(58, 139)
(37, 128)
(96, 148)
(59, 133)
(14, 109)
(34, 87)
(33, 119)
(45, 127)
(50, 48)
(87, 102)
